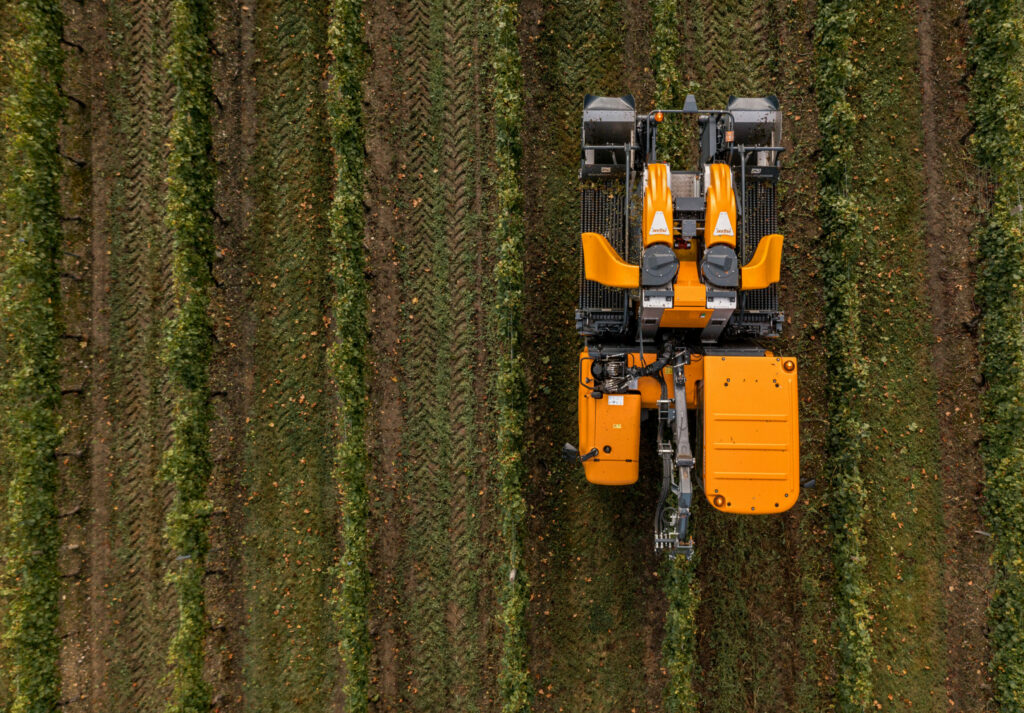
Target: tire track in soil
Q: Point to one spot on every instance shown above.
(290, 655)
(588, 549)
(950, 209)
(103, 164)
(464, 313)
(137, 92)
(424, 268)
(442, 266)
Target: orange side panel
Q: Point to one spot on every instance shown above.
(602, 264)
(720, 218)
(611, 424)
(614, 430)
(657, 206)
(764, 268)
(751, 434)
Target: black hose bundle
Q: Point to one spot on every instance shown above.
(657, 365)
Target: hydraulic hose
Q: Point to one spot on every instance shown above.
(656, 366)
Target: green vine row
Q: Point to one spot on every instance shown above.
(997, 95)
(507, 108)
(30, 315)
(841, 233)
(347, 354)
(188, 344)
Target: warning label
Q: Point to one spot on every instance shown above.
(615, 400)
(724, 225)
(658, 225)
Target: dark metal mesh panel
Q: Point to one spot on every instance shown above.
(761, 220)
(602, 212)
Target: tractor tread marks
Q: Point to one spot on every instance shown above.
(460, 172)
(287, 458)
(422, 265)
(141, 594)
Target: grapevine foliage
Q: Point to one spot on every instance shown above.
(842, 233)
(188, 346)
(30, 315)
(679, 650)
(507, 107)
(997, 95)
(347, 354)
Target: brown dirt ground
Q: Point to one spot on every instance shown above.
(76, 559)
(386, 420)
(91, 34)
(231, 377)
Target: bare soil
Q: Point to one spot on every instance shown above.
(384, 103)
(232, 374)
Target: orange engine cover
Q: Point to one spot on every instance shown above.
(720, 219)
(611, 425)
(751, 433)
(658, 226)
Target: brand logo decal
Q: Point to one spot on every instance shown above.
(723, 226)
(658, 225)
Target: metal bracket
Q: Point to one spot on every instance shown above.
(672, 518)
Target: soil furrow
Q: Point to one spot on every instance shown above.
(389, 506)
(77, 562)
(437, 578)
(425, 264)
(461, 166)
(135, 93)
(232, 369)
